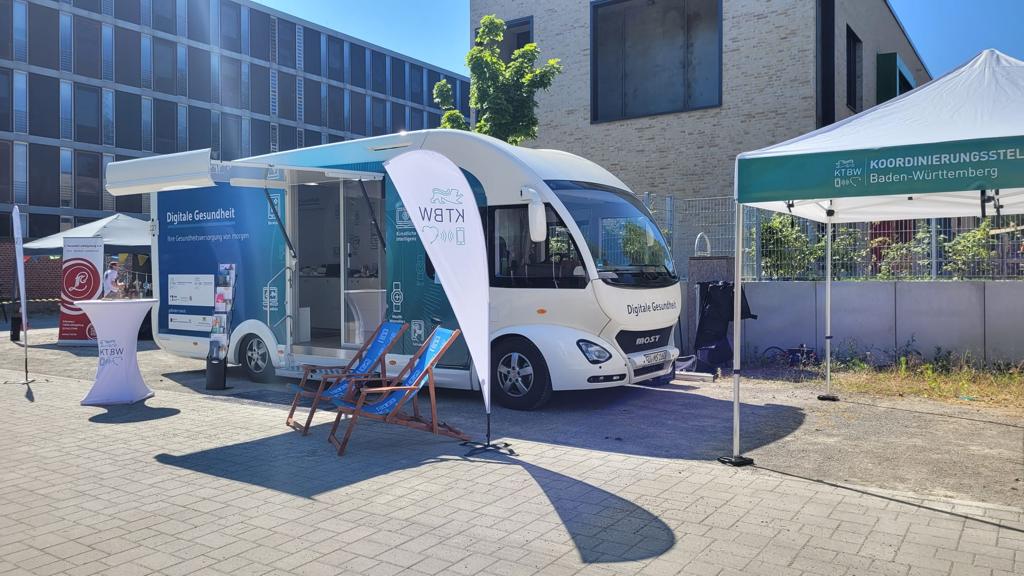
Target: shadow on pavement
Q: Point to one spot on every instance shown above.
(661, 421)
(604, 527)
(29, 394)
(127, 413)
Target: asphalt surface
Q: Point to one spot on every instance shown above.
(916, 446)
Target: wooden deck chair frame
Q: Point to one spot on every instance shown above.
(329, 380)
(396, 416)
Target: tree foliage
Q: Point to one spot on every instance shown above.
(503, 93)
(970, 254)
(787, 253)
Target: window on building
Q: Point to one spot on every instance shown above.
(19, 158)
(19, 25)
(67, 106)
(108, 52)
(230, 136)
(146, 61)
(854, 71)
(397, 117)
(230, 26)
(653, 58)
(416, 83)
(335, 59)
(164, 135)
(182, 73)
(518, 33)
(108, 117)
(312, 104)
(335, 108)
(286, 137)
(6, 169)
(378, 72)
(127, 10)
(198, 74)
(379, 115)
(165, 15)
(44, 106)
(128, 68)
(311, 52)
(43, 23)
(433, 120)
(285, 43)
(286, 95)
(20, 101)
(88, 180)
(129, 204)
(517, 262)
(44, 175)
(464, 98)
(357, 113)
(67, 53)
(182, 127)
(67, 172)
(128, 109)
(7, 29)
(42, 225)
(198, 127)
(199, 20)
(165, 66)
(6, 100)
(147, 124)
(398, 79)
(259, 89)
(231, 82)
(433, 77)
(88, 40)
(259, 35)
(415, 119)
(259, 137)
(357, 65)
(90, 5)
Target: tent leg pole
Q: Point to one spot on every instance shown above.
(828, 396)
(737, 458)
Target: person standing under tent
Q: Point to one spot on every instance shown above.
(111, 286)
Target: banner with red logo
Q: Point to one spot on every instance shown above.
(81, 279)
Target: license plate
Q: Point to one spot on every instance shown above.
(656, 357)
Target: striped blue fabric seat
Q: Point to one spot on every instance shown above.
(417, 377)
(366, 365)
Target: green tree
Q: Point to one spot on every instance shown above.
(503, 93)
(452, 118)
(900, 260)
(970, 253)
(786, 251)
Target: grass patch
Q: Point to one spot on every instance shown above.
(948, 377)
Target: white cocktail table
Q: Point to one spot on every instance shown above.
(118, 380)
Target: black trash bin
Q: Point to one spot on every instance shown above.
(216, 374)
(16, 328)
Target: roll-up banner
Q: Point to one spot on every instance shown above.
(441, 207)
(81, 279)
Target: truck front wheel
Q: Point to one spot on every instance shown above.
(519, 376)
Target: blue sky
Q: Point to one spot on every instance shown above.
(946, 32)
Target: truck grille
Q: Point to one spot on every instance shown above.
(637, 341)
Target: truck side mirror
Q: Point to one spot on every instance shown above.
(538, 221)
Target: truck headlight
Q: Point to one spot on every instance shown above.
(594, 353)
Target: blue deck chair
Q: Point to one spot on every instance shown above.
(401, 389)
(336, 381)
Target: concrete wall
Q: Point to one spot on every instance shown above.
(983, 319)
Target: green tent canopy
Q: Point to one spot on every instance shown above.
(951, 147)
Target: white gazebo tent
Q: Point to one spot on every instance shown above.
(120, 233)
(952, 147)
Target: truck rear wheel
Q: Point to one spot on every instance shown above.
(519, 376)
(254, 356)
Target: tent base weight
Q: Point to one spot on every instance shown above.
(480, 447)
(828, 397)
(22, 382)
(736, 461)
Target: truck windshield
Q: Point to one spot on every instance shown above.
(628, 247)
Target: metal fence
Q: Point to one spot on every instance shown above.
(784, 247)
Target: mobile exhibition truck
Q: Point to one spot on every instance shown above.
(309, 250)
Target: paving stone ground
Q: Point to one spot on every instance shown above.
(193, 484)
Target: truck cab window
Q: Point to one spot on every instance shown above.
(517, 262)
